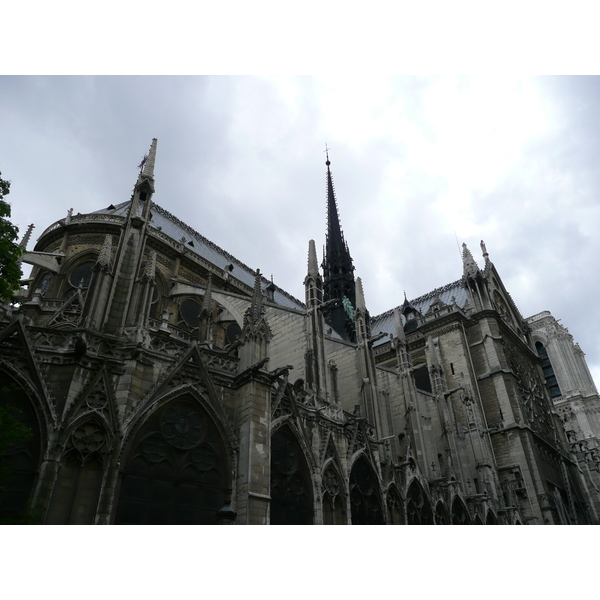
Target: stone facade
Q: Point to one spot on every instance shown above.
(166, 382)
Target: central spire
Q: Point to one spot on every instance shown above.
(334, 230)
(338, 268)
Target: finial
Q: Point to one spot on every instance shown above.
(313, 265)
(327, 155)
(484, 250)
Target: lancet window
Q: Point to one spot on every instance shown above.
(291, 492)
(365, 499)
(176, 471)
(77, 488)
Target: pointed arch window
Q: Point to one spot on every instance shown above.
(395, 507)
(20, 462)
(418, 508)
(76, 491)
(334, 501)
(291, 492)
(365, 500)
(460, 515)
(441, 514)
(176, 471)
(551, 380)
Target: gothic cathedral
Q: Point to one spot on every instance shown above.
(165, 382)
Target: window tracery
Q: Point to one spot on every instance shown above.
(418, 508)
(334, 512)
(364, 495)
(291, 496)
(176, 472)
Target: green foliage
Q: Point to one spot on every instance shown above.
(10, 272)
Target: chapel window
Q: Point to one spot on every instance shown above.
(551, 380)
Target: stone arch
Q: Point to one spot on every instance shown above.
(176, 468)
(418, 506)
(189, 290)
(442, 517)
(291, 483)
(365, 497)
(460, 514)
(477, 520)
(395, 506)
(491, 518)
(334, 494)
(292, 422)
(164, 391)
(76, 490)
(23, 459)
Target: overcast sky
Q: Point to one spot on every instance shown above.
(418, 163)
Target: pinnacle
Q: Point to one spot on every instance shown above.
(360, 296)
(470, 267)
(149, 160)
(313, 265)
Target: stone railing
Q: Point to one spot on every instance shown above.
(92, 217)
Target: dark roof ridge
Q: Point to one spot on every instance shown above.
(426, 296)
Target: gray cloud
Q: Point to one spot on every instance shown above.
(241, 160)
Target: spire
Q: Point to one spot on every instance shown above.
(398, 325)
(469, 265)
(360, 295)
(257, 300)
(147, 164)
(338, 269)
(335, 237)
(313, 265)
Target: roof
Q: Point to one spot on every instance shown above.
(384, 323)
(180, 232)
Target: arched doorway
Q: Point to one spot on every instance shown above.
(365, 501)
(291, 491)
(177, 471)
(20, 459)
(418, 508)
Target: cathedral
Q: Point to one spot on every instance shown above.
(166, 382)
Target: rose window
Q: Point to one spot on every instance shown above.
(183, 427)
(88, 438)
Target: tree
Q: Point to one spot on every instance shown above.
(10, 252)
